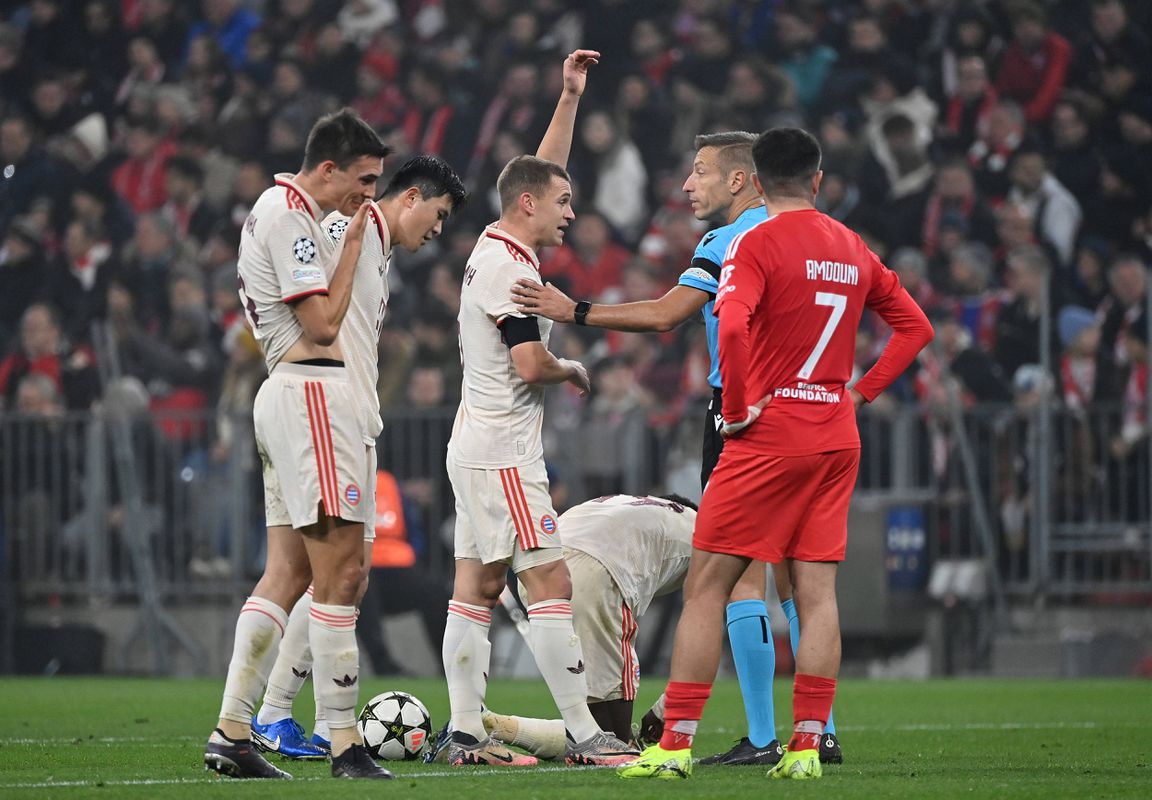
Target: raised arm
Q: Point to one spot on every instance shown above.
(557, 142)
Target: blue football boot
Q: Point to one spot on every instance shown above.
(322, 743)
(286, 737)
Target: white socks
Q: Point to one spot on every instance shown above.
(292, 667)
(259, 629)
(336, 661)
(543, 738)
(466, 651)
(561, 661)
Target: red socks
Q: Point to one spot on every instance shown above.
(811, 706)
(683, 707)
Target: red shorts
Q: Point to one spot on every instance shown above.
(774, 507)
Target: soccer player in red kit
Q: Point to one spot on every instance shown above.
(792, 290)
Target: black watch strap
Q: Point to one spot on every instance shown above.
(580, 315)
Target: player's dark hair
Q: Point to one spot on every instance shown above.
(733, 148)
(432, 176)
(526, 174)
(680, 499)
(786, 160)
(342, 137)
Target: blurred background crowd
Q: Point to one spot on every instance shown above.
(997, 154)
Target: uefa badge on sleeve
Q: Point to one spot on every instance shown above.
(304, 250)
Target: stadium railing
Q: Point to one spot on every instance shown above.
(176, 514)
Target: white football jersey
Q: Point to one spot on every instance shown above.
(645, 543)
(500, 416)
(284, 256)
(360, 331)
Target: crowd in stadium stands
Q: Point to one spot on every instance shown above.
(991, 152)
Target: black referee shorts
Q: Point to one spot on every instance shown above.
(713, 441)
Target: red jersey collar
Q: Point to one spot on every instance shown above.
(297, 197)
(517, 249)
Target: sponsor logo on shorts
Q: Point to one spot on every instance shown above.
(548, 524)
(352, 494)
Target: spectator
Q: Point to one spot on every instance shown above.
(361, 20)
(185, 208)
(976, 304)
(1019, 319)
(163, 23)
(1073, 158)
(22, 269)
(33, 170)
(1035, 63)
(229, 24)
(1127, 279)
(993, 149)
(967, 110)
(805, 60)
(898, 168)
(43, 350)
(1080, 339)
(146, 70)
(79, 275)
(911, 267)
(140, 178)
(1113, 56)
(953, 200)
(1089, 281)
(1054, 212)
(643, 115)
(971, 32)
(613, 177)
(590, 263)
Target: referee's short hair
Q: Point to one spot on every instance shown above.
(733, 148)
(526, 174)
(786, 161)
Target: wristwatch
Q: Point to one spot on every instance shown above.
(579, 316)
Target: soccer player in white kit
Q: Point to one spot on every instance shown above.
(504, 515)
(310, 435)
(622, 551)
(411, 212)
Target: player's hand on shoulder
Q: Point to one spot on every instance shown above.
(578, 375)
(576, 69)
(543, 301)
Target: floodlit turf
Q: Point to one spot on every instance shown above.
(142, 738)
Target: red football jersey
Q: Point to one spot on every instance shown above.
(791, 294)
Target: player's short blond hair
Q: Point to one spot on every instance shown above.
(526, 174)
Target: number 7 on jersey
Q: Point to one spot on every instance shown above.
(838, 303)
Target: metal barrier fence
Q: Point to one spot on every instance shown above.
(154, 509)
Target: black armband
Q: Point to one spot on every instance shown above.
(517, 330)
(708, 265)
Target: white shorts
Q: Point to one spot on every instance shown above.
(606, 628)
(505, 515)
(308, 434)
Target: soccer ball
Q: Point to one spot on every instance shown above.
(395, 726)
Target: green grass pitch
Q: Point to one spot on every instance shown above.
(142, 738)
